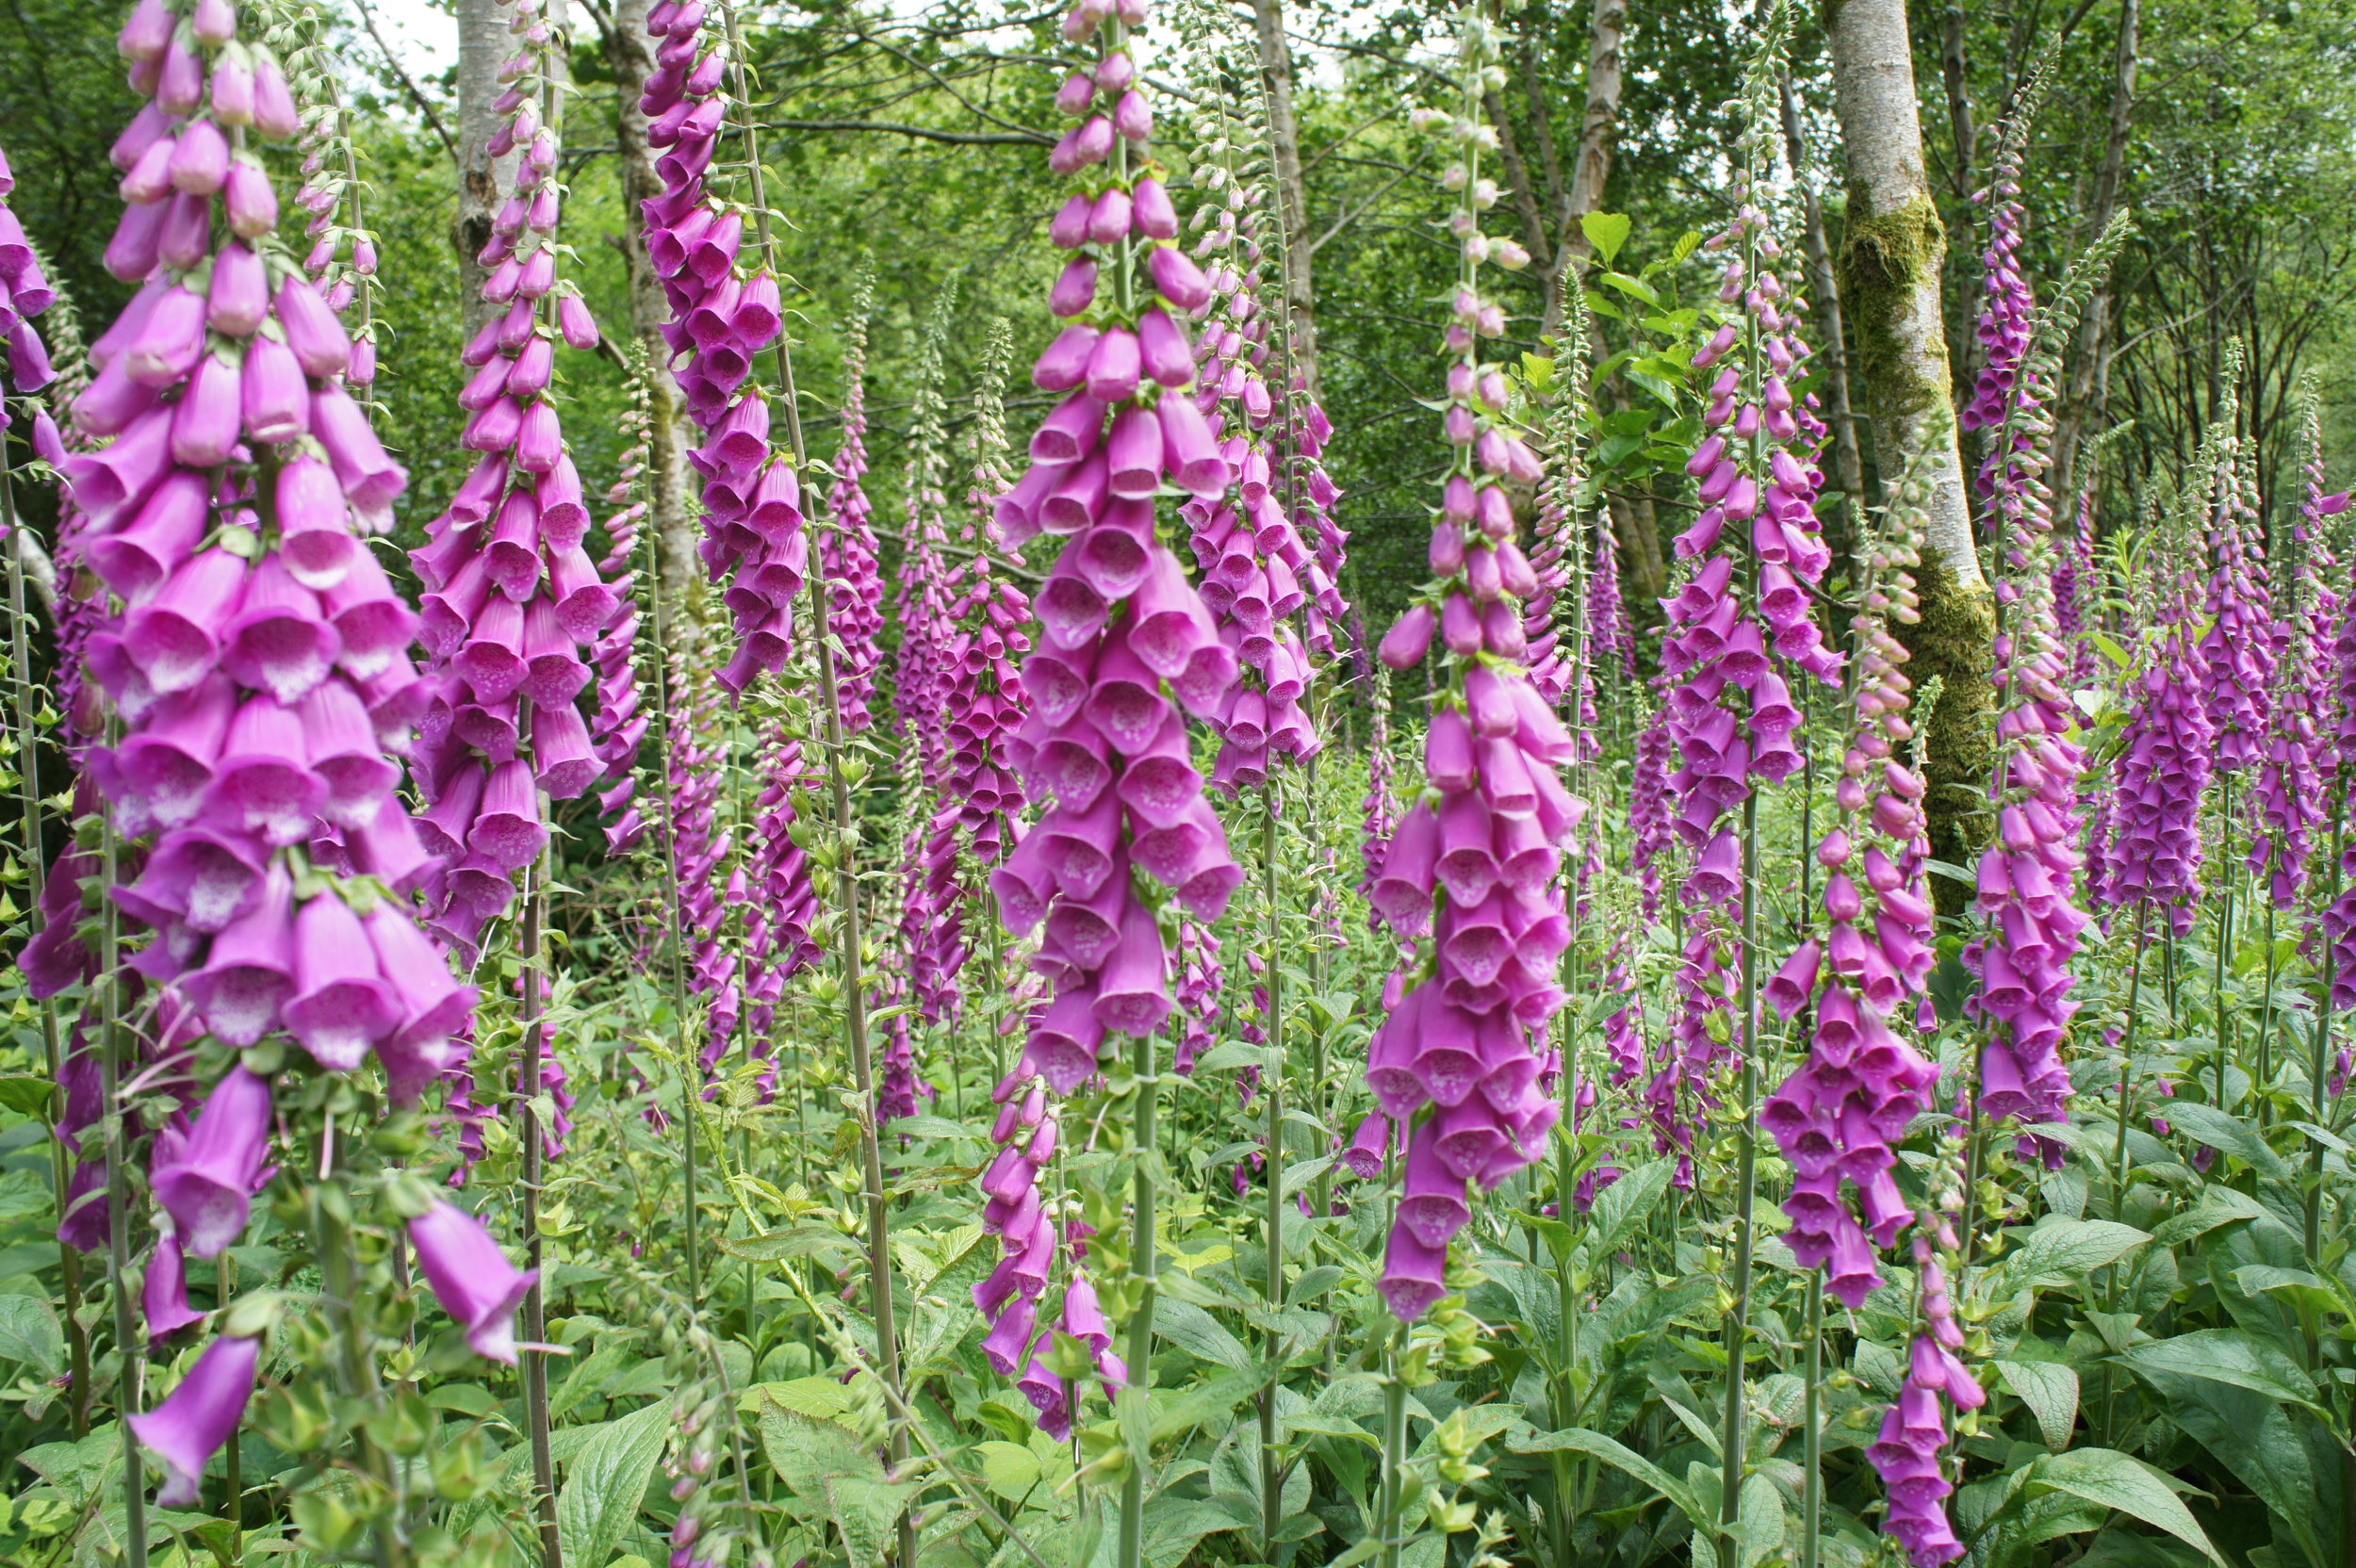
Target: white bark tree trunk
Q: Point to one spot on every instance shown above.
(1890, 260)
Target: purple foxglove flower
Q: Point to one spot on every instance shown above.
(472, 1278)
(198, 1417)
(164, 1297)
(207, 1187)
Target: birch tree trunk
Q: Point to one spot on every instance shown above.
(631, 54)
(1276, 74)
(1598, 140)
(1890, 259)
(483, 42)
(2089, 377)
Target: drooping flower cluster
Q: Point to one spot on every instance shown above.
(2077, 585)
(512, 593)
(1118, 620)
(1561, 654)
(2237, 651)
(2027, 872)
(1200, 979)
(1906, 1452)
(846, 548)
(24, 293)
(720, 318)
(1731, 637)
(1838, 1118)
(255, 656)
(2288, 802)
(2007, 300)
(779, 943)
(2152, 839)
(620, 728)
(1258, 573)
(702, 850)
(1456, 1064)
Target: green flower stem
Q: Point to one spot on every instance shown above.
(1745, 1195)
(27, 707)
(536, 1367)
(131, 1363)
(1272, 1089)
(1145, 1264)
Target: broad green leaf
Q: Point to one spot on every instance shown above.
(606, 1482)
(2073, 1247)
(820, 1398)
(1758, 1525)
(1578, 1439)
(29, 1334)
(1174, 1524)
(2279, 1452)
(1606, 231)
(2117, 1480)
(1010, 1469)
(2219, 1205)
(1197, 1333)
(932, 1127)
(2223, 1131)
(1623, 1207)
(2227, 1356)
(25, 1093)
(829, 1466)
(2050, 1392)
(1635, 288)
(820, 1241)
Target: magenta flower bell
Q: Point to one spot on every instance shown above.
(198, 1417)
(472, 1278)
(207, 1184)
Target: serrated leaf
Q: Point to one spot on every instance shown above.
(1010, 1469)
(1197, 1333)
(607, 1480)
(2112, 1480)
(1578, 1439)
(2227, 1134)
(2226, 1356)
(2073, 1247)
(2050, 1392)
(29, 1334)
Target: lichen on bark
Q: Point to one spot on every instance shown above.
(1883, 259)
(1955, 640)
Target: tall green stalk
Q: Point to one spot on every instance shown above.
(1145, 1264)
(879, 1266)
(131, 1363)
(536, 1367)
(28, 709)
(1745, 1195)
(1272, 1088)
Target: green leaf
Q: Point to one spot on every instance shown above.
(2050, 1392)
(932, 1127)
(1758, 1526)
(1606, 231)
(25, 1093)
(1622, 1208)
(2219, 1205)
(1578, 1439)
(29, 1334)
(2073, 1247)
(2280, 1452)
(829, 1466)
(606, 1482)
(1635, 288)
(1174, 1524)
(823, 1242)
(1197, 1333)
(2221, 1130)
(1010, 1469)
(2116, 1480)
(820, 1398)
(2227, 1356)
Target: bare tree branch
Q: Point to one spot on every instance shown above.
(368, 20)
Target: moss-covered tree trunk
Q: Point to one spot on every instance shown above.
(1891, 258)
